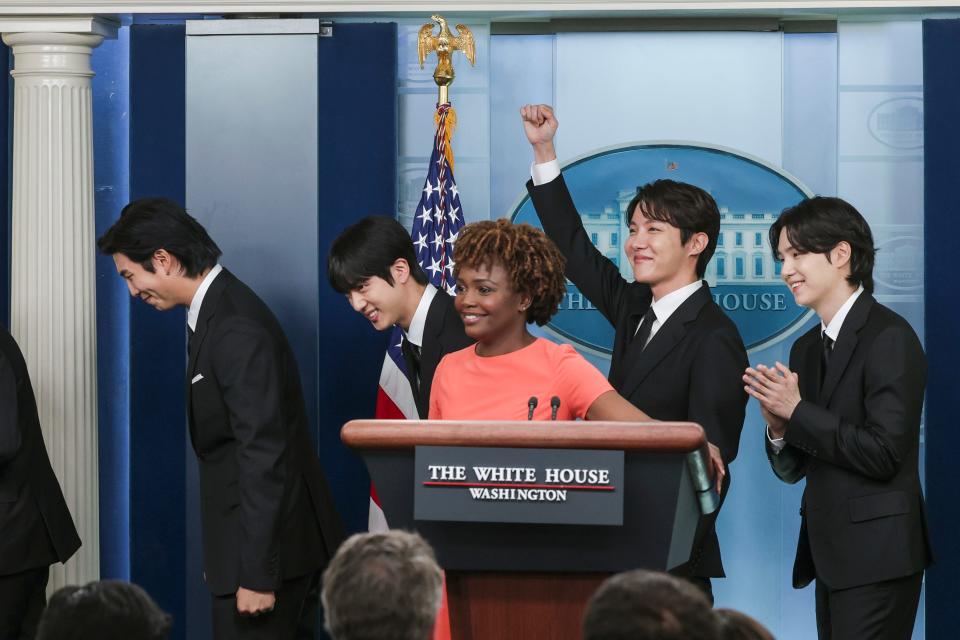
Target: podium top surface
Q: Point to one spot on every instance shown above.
(664, 437)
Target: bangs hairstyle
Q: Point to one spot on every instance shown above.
(818, 224)
(367, 249)
(684, 206)
(532, 262)
(150, 224)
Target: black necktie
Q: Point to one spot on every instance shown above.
(413, 352)
(190, 333)
(825, 356)
(643, 333)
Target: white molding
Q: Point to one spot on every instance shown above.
(505, 7)
(87, 24)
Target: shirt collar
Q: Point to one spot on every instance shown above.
(665, 306)
(419, 322)
(194, 313)
(833, 329)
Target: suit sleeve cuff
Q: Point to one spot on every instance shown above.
(544, 173)
(776, 444)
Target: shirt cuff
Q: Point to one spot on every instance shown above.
(544, 173)
(777, 444)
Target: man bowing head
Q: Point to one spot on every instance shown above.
(268, 520)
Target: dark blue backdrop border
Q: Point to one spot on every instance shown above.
(941, 50)
(158, 340)
(357, 116)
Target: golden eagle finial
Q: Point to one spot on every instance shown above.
(444, 43)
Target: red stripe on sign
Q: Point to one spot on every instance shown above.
(575, 487)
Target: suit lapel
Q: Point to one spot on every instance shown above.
(432, 329)
(207, 311)
(845, 345)
(809, 367)
(639, 362)
(625, 349)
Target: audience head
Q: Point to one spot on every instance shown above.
(831, 228)
(368, 249)
(644, 605)
(382, 586)
(735, 625)
(689, 209)
(106, 610)
(527, 262)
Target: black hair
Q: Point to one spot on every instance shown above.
(681, 205)
(818, 224)
(108, 610)
(368, 248)
(150, 224)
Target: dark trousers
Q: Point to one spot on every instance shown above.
(881, 611)
(22, 599)
(294, 616)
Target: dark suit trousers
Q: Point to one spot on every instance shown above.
(23, 597)
(881, 611)
(294, 616)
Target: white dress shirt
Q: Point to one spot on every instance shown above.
(414, 335)
(194, 313)
(545, 172)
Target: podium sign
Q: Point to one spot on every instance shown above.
(497, 484)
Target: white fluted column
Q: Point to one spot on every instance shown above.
(53, 300)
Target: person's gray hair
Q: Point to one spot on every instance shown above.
(382, 585)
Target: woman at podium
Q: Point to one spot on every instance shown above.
(508, 276)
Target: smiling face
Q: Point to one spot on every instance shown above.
(818, 281)
(493, 313)
(378, 301)
(157, 288)
(658, 256)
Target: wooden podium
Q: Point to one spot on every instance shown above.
(532, 581)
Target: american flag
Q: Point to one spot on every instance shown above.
(436, 226)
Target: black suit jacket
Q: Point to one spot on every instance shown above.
(690, 370)
(36, 529)
(856, 441)
(442, 334)
(266, 509)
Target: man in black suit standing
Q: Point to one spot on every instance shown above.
(676, 355)
(269, 523)
(36, 529)
(846, 415)
(374, 265)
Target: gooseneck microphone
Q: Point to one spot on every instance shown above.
(531, 405)
(554, 407)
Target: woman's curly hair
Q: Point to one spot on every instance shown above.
(531, 260)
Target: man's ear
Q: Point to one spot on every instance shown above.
(400, 270)
(840, 255)
(163, 262)
(697, 243)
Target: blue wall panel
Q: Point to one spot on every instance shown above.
(941, 96)
(357, 133)
(111, 180)
(158, 340)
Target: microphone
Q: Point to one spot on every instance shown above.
(531, 405)
(554, 407)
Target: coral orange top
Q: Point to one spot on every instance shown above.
(471, 387)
